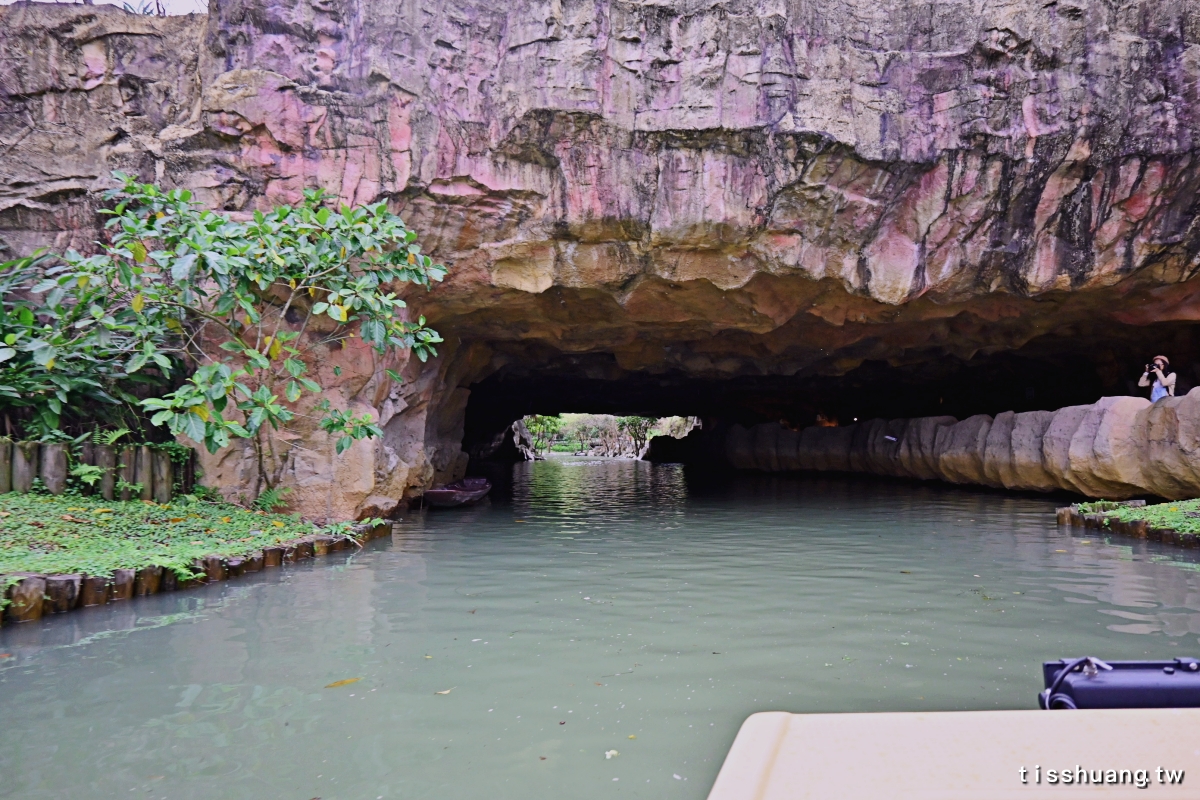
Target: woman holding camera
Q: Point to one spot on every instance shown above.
(1164, 379)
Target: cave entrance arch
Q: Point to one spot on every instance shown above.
(1073, 366)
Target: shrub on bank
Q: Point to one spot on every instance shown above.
(1182, 516)
(208, 323)
(72, 534)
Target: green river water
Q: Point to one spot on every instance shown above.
(606, 600)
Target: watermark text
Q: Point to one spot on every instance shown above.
(1141, 778)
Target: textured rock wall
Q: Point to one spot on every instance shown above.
(723, 189)
(1116, 448)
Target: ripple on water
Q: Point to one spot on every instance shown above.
(607, 606)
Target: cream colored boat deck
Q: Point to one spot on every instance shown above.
(965, 754)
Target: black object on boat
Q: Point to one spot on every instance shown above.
(1091, 683)
(459, 493)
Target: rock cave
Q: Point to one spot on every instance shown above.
(749, 212)
(904, 261)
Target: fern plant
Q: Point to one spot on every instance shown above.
(87, 473)
(108, 438)
(271, 499)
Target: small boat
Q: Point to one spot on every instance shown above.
(459, 493)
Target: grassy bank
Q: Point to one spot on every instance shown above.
(63, 534)
(1182, 516)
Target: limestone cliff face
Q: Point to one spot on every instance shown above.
(714, 190)
(1116, 448)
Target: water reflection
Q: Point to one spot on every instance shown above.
(605, 600)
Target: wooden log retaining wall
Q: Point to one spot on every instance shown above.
(33, 596)
(1098, 518)
(22, 462)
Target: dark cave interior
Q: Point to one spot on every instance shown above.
(1069, 367)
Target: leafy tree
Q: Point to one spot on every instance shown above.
(543, 428)
(637, 429)
(583, 433)
(605, 428)
(65, 349)
(250, 302)
(579, 427)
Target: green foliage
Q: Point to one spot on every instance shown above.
(66, 344)
(611, 436)
(1182, 515)
(579, 427)
(6, 583)
(542, 428)
(87, 473)
(637, 429)
(46, 534)
(347, 528)
(340, 528)
(1097, 506)
(346, 426)
(108, 438)
(179, 454)
(272, 499)
(203, 494)
(268, 294)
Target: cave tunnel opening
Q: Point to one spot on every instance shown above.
(1072, 366)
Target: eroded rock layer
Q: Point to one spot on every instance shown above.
(1116, 448)
(716, 191)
